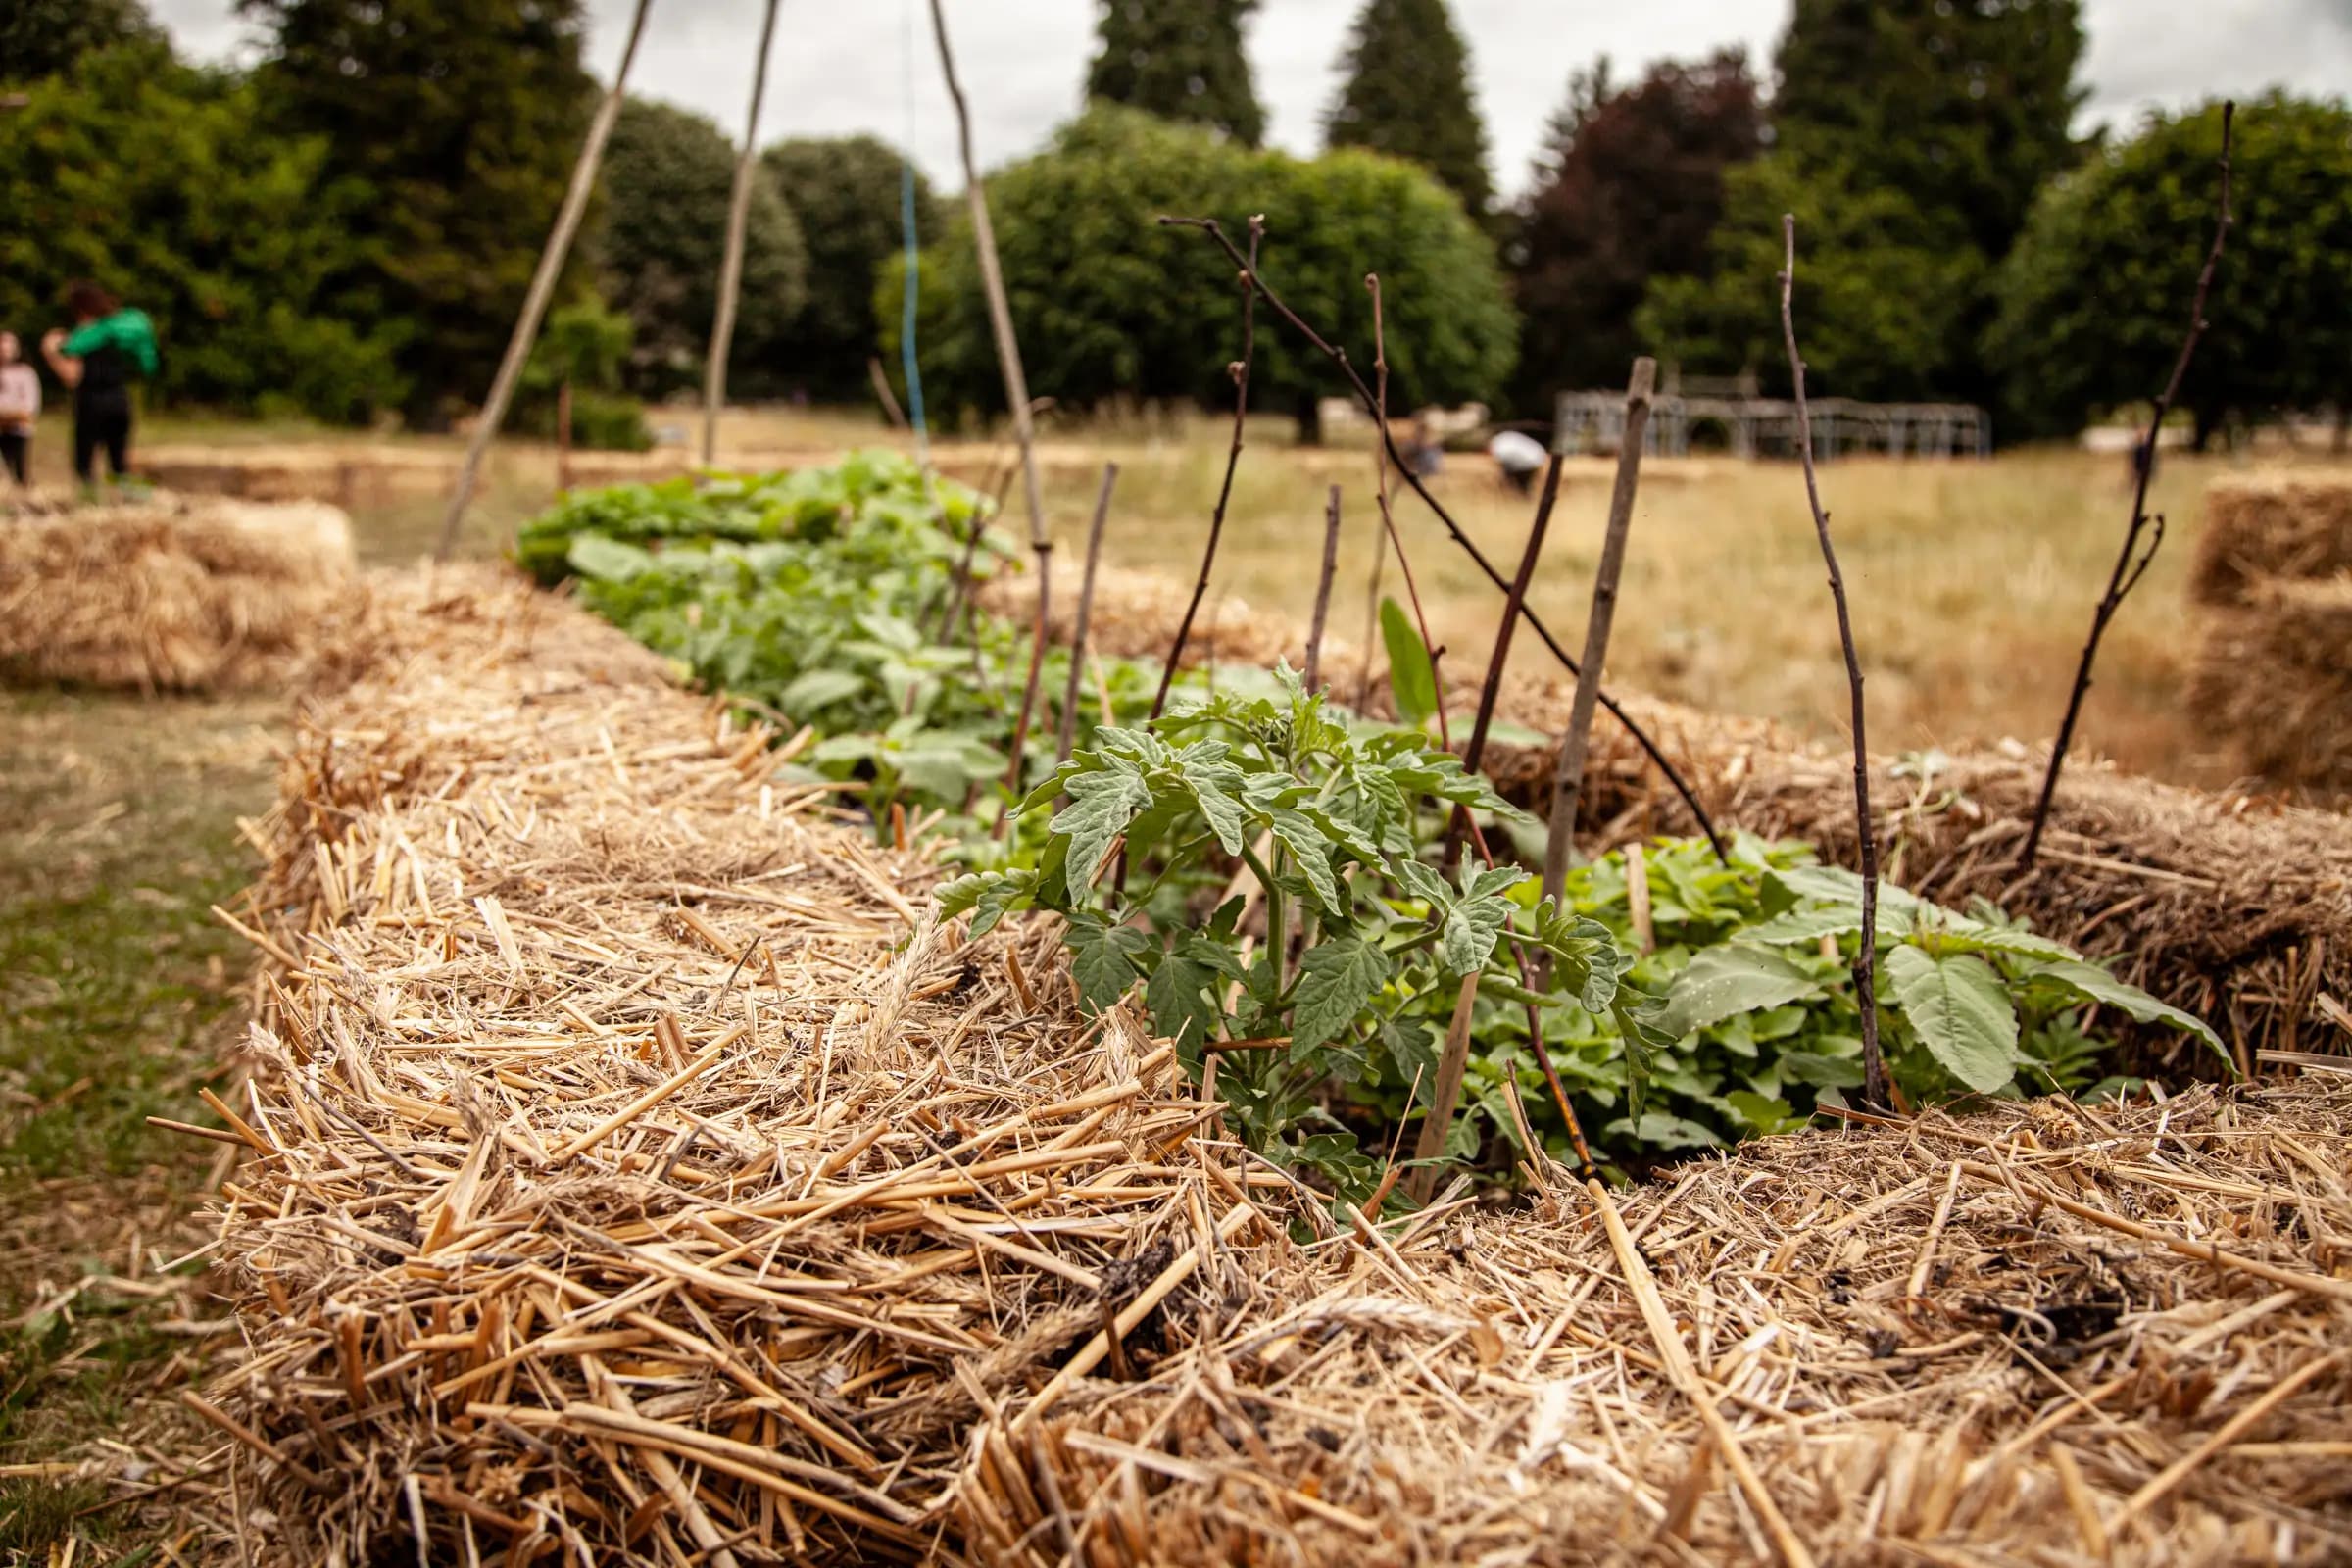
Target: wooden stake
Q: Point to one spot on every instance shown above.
(730, 272)
(1331, 562)
(1086, 609)
(1016, 388)
(1429, 1146)
(543, 287)
(1568, 775)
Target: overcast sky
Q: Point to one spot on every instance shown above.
(841, 66)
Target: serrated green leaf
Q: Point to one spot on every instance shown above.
(1413, 678)
(1720, 982)
(1178, 995)
(1467, 938)
(1961, 1012)
(1212, 783)
(1106, 960)
(989, 895)
(1337, 980)
(1421, 881)
(1310, 854)
(2095, 984)
(1102, 805)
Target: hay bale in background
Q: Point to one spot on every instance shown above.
(2275, 680)
(2257, 527)
(1136, 614)
(167, 595)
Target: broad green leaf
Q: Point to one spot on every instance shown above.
(592, 555)
(1212, 782)
(1178, 995)
(1412, 679)
(1806, 926)
(990, 894)
(1100, 807)
(2095, 984)
(1961, 1012)
(1337, 980)
(1104, 960)
(816, 689)
(1421, 881)
(1969, 936)
(1722, 982)
(1467, 939)
(1762, 1113)
(1310, 855)
(1639, 1025)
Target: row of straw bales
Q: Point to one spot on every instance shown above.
(634, 1174)
(2273, 675)
(167, 594)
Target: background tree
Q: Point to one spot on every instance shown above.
(668, 178)
(1629, 188)
(845, 192)
(42, 37)
(155, 179)
(2094, 295)
(1111, 305)
(1181, 59)
(1406, 92)
(461, 119)
(1939, 119)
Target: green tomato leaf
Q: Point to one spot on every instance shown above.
(1310, 852)
(1337, 980)
(1723, 982)
(1961, 1011)
(1468, 935)
(1105, 958)
(1178, 995)
(1102, 805)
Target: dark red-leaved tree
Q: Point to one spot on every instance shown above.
(1629, 186)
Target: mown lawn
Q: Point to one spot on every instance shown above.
(119, 1000)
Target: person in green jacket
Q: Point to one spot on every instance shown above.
(97, 360)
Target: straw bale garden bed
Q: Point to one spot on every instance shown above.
(758, 1123)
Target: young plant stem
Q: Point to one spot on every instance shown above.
(730, 271)
(1069, 733)
(1016, 394)
(1865, 950)
(1239, 370)
(1330, 561)
(1339, 356)
(1492, 688)
(1568, 773)
(1383, 455)
(543, 287)
(2132, 560)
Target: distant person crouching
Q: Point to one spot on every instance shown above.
(107, 347)
(1519, 457)
(19, 407)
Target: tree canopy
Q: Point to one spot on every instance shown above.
(1108, 304)
(1629, 188)
(43, 37)
(1180, 59)
(1405, 91)
(2095, 297)
(461, 120)
(1908, 137)
(151, 179)
(669, 180)
(844, 191)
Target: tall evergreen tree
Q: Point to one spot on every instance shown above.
(463, 117)
(1181, 59)
(43, 37)
(1967, 106)
(844, 191)
(1406, 93)
(1630, 187)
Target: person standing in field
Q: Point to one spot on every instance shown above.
(107, 347)
(1518, 458)
(19, 407)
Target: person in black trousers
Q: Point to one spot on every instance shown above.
(20, 406)
(108, 346)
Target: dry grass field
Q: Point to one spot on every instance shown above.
(1973, 582)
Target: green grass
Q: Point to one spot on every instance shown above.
(118, 995)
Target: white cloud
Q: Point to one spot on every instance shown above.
(844, 66)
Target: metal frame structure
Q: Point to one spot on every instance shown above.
(1760, 427)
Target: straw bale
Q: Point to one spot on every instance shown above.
(634, 1174)
(2275, 680)
(2296, 524)
(1135, 613)
(167, 594)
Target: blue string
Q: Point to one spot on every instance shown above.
(913, 286)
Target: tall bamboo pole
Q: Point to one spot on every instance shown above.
(730, 271)
(542, 286)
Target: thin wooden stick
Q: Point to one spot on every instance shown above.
(1085, 608)
(1331, 562)
(730, 271)
(1388, 520)
(1339, 356)
(1016, 393)
(543, 287)
(1428, 1147)
(1866, 949)
(2131, 562)
(1568, 774)
(884, 395)
(1239, 370)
